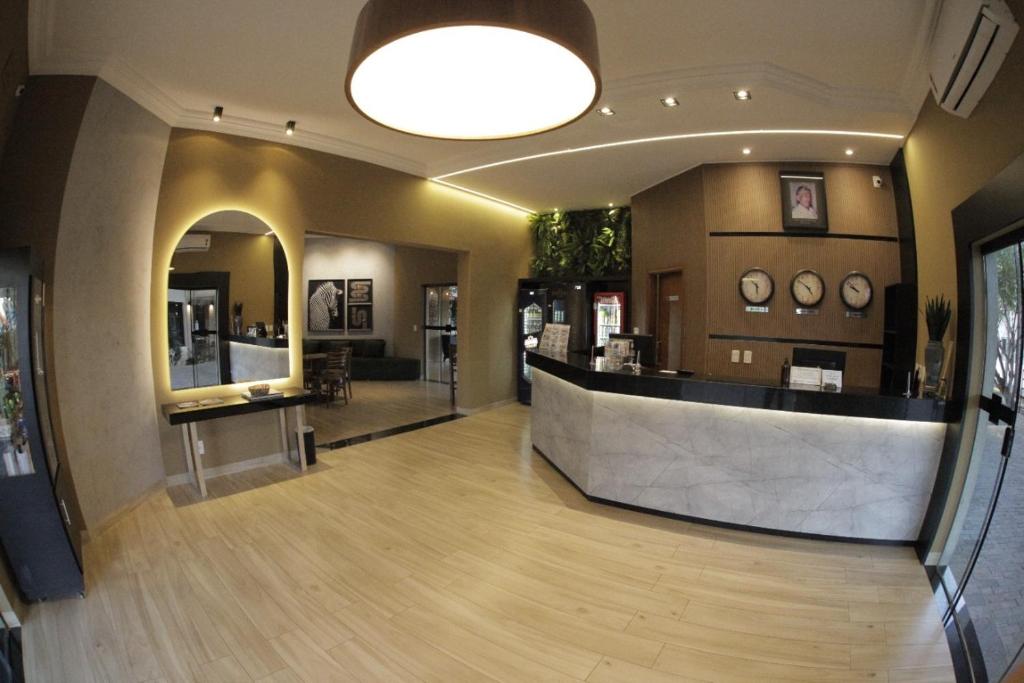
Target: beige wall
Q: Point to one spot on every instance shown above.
(674, 226)
(250, 261)
(294, 190)
(101, 318)
(949, 158)
(414, 268)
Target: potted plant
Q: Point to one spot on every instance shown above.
(937, 313)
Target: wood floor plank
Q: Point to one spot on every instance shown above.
(455, 553)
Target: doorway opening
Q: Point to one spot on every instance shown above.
(440, 337)
(665, 316)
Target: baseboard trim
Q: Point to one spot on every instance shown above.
(490, 406)
(230, 468)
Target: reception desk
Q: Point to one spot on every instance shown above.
(852, 465)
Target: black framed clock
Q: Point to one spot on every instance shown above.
(756, 286)
(807, 288)
(856, 291)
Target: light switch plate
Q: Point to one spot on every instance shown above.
(748, 357)
(202, 447)
(735, 357)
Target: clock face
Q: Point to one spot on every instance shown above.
(808, 288)
(856, 291)
(756, 286)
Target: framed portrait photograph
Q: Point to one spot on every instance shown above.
(360, 318)
(360, 291)
(326, 303)
(803, 200)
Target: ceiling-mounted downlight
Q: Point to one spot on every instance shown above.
(474, 69)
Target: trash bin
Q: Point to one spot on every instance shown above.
(310, 440)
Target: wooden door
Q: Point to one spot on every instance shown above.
(666, 297)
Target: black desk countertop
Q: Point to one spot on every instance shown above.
(235, 405)
(851, 402)
(269, 342)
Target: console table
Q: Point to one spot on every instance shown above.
(230, 406)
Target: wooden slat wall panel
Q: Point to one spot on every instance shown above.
(668, 232)
(745, 198)
(863, 366)
(783, 257)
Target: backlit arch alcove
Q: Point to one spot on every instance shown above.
(296, 190)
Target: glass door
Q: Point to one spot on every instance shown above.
(982, 566)
(440, 339)
(193, 338)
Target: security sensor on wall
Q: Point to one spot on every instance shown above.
(876, 180)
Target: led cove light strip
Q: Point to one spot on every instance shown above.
(639, 141)
(481, 195)
(666, 138)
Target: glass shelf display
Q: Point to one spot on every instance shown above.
(15, 454)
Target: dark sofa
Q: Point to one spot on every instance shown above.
(368, 359)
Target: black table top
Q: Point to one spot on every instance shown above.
(851, 402)
(235, 405)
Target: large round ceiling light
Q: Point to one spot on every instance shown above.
(474, 69)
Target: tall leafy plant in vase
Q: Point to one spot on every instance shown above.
(937, 313)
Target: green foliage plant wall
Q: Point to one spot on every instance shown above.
(588, 243)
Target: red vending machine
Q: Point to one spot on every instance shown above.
(609, 315)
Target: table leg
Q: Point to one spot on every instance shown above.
(300, 423)
(187, 444)
(285, 448)
(193, 434)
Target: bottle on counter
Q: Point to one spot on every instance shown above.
(785, 373)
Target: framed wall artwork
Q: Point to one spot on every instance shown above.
(360, 306)
(360, 318)
(360, 291)
(326, 301)
(803, 200)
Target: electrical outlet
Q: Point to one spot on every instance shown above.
(735, 357)
(748, 357)
(202, 447)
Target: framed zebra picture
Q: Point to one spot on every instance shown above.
(326, 305)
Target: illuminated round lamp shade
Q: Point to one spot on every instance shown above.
(474, 69)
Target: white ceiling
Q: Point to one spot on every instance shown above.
(810, 64)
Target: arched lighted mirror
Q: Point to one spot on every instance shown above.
(227, 303)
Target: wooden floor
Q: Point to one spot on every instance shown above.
(454, 553)
(376, 406)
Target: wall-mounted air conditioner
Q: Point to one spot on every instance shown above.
(971, 39)
(193, 242)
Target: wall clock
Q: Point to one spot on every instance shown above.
(856, 291)
(756, 286)
(807, 288)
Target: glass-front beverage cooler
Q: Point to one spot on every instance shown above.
(532, 314)
(609, 315)
(34, 520)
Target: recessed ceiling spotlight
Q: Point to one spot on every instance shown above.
(408, 67)
(742, 95)
(611, 204)
(289, 128)
(746, 151)
(849, 151)
(217, 113)
(268, 233)
(606, 111)
(670, 102)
